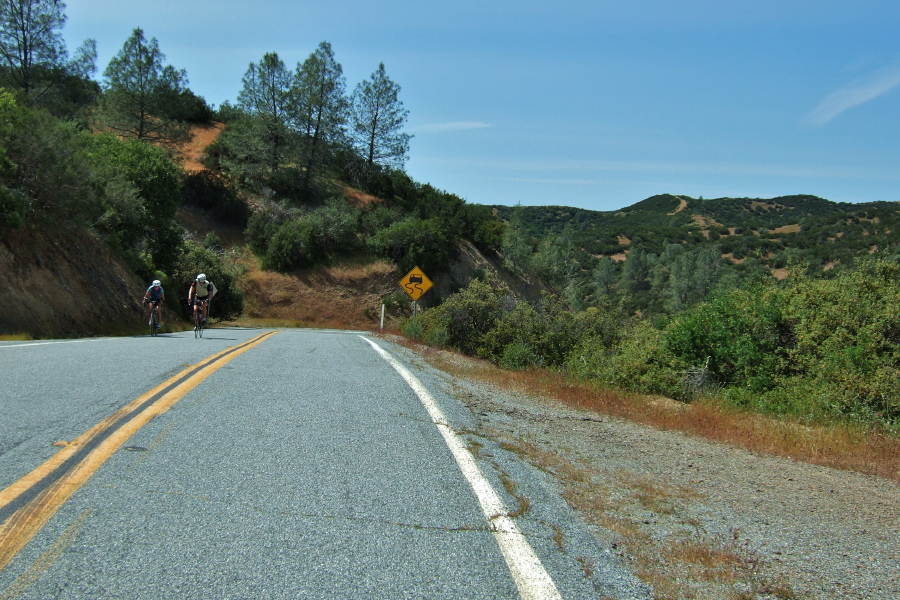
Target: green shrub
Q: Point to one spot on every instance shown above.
(438, 337)
(521, 326)
(336, 229)
(45, 171)
(262, 225)
(412, 329)
(847, 340)
(292, 247)
(376, 217)
(639, 361)
(561, 331)
(816, 349)
(413, 242)
(14, 207)
(229, 300)
(468, 315)
(519, 356)
(738, 336)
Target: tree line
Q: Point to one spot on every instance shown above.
(679, 249)
(286, 117)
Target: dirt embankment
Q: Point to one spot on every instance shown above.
(64, 283)
(330, 297)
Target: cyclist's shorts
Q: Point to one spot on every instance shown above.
(198, 300)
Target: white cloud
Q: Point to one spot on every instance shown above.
(858, 92)
(451, 126)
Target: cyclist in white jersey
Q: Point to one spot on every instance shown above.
(202, 291)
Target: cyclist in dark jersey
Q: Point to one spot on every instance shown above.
(155, 295)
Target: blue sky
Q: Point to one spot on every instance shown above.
(593, 104)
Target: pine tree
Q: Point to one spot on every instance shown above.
(377, 119)
(265, 98)
(319, 105)
(141, 94)
(31, 40)
(33, 58)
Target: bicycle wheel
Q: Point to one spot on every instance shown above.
(154, 319)
(197, 324)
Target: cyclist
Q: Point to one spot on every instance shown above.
(156, 296)
(202, 291)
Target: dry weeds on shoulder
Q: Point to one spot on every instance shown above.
(840, 447)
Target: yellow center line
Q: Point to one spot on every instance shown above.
(54, 482)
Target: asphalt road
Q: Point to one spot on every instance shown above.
(311, 464)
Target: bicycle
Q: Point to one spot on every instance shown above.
(198, 318)
(154, 319)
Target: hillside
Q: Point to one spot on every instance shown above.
(819, 231)
(68, 282)
(347, 295)
(64, 284)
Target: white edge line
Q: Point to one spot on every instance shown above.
(531, 578)
(27, 344)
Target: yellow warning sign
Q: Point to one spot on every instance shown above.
(415, 283)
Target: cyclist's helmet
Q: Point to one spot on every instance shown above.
(156, 283)
(201, 277)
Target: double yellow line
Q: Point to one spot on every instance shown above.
(28, 504)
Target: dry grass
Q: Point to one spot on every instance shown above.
(660, 498)
(839, 446)
(16, 337)
(787, 229)
(357, 197)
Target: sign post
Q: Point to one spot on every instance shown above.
(415, 284)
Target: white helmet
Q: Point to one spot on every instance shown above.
(201, 277)
(156, 283)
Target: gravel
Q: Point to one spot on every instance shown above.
(698, 519)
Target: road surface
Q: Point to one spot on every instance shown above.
(267, 464)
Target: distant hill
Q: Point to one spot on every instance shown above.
(820, 230)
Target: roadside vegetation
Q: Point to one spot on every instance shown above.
(839, 445)
(816, 360)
